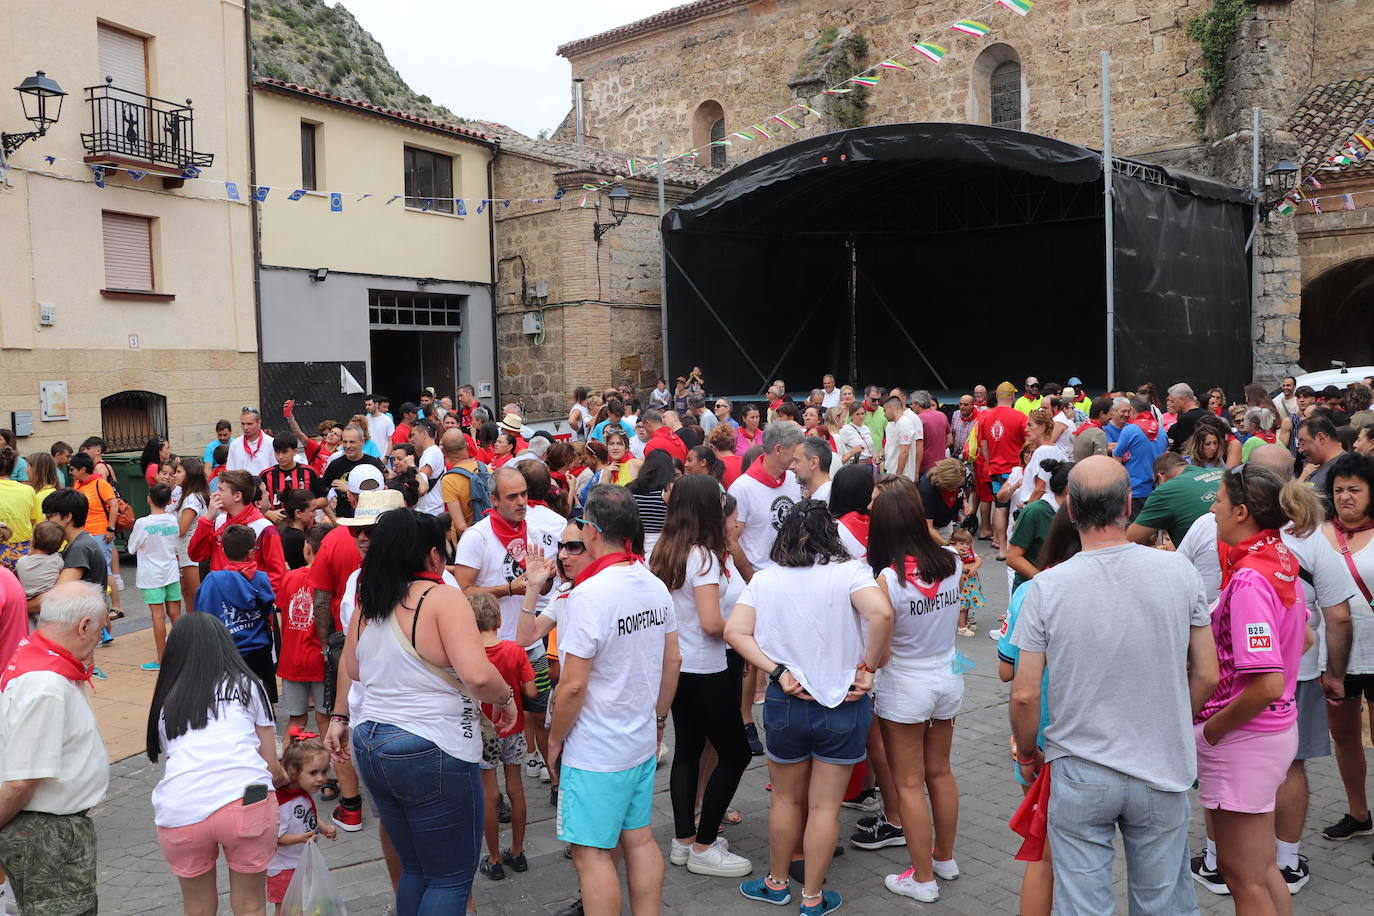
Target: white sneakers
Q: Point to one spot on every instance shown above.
(907, 886)
(717, 861)
(946, 870)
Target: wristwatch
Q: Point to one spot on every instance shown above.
(776, 673)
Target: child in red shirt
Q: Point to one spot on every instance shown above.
(509, 749)
(301, 667)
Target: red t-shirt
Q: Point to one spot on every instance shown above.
(514, 665)
(402, 434)
(732, 468)
(335, 562)
(301, 659)
(1001, 433)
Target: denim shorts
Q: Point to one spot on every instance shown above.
(799, 729)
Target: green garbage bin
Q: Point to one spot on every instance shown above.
(129, 479)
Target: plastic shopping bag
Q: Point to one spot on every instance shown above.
(312, 891)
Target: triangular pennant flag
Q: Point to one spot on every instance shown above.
(49, 159)
(891, 64)
(394, 198)
(630, 167)
(1316, 205)
(933, 51)
(505, 204)
(99, 174)
(971, 27)
(136, 175)
(558, 195)
(1349, 200)
(462, 207)
(869, 81)
(296, 194)
(347, 383)
(335, 202)
(232, 190)
(429, 202)
(480, 207)
(760, 129)
(363, 197)
(1364, 141)
(1285, 206)
(583, 202)
(260, 192)
(1020, 7)
(190, 172)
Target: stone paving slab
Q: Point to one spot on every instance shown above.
(135, 879)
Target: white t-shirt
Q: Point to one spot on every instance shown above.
(296, 815)
(154, 541)
(379, 430)
(925, 623)
(196, 503)
(708, 421)
(1034, 471)
(48, 732)
(761, 510)
(636, 446)
(822, 492)
(209, 767)
(431, 464)
(480, 549)
(905, 430)
(619, 619)
(806, 621)
(856, 548)
(734, 587)
(830, 398)
(1065, 441)
(851, 435)
(701, 653)
(260, 460)
(1331, 582)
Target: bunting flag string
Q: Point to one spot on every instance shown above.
(1356, 151)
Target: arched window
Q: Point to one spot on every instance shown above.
(1005, 95)
(718, 159)
(129, 419)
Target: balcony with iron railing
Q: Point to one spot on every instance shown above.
(130, 130)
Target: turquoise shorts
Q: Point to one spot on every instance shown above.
(595, 808)
(162, 595)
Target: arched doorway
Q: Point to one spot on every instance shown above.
(1338, 316)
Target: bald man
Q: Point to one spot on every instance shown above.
(455, 485)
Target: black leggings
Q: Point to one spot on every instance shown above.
(706, 708)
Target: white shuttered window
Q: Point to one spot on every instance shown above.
(124, 57)
(128, 251)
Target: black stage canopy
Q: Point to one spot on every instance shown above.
(940, 256)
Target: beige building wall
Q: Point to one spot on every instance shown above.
(362, 153)
(197, 350)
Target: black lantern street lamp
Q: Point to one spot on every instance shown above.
(1282, 176)
(620, 208)
(42, 101)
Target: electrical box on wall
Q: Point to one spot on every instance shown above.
(531, 323)
(47, 314)
(540, 289)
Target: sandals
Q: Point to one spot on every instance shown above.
(330, 790)
(732, 818)
(116, 615)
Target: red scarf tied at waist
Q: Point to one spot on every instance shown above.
(36, 652)
(1266, 554)
(1031, 820)
(1091, 424)
(756, 471)
(1148, 424)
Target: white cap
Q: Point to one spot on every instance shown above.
(363, 473)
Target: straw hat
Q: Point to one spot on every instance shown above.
(511, 423)
(372, 503)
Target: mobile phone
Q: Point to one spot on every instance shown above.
(254, 793)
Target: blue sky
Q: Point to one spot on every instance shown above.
(493, 60)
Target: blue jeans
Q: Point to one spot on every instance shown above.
(1087, 803)
(431, 805)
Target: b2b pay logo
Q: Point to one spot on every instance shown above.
(1259, 637)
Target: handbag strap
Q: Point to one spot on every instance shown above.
(1350, 561)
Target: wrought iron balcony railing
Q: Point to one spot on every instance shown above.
(138, 127)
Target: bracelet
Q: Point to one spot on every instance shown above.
(1025, 762)
(863, 666)
(660, 719)
(510, 589)
(341, 717)
(530, 611)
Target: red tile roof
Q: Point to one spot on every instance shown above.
(675, 16)
(1328, 117)
(429, 123)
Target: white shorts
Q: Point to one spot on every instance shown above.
(913, 690)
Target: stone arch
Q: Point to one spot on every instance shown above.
(997, 63)
(1337, 317)
(708, 123)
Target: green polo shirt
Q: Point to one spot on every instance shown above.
(876, 421)
(1176, 504)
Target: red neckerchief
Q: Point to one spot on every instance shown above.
(1148, 424)
(774, 405)
(911, 575)
(949, 496)
(1266, 554)
(575, 471)
(1270, 436)
(560, 477)
(291, 794)
(752, 439)
(253, 452)
(428, 576)
(610, 559)
(536, 502)
(757, 472)
(857, 524)
(246, 515)
(505, 532)
(36, 652)
(1348, 530)
(1091, 424)
(249, 568)
(978, 403)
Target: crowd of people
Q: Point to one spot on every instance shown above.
(446, 609)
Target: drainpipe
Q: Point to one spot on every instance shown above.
(252, 186)
(491, 286)
(577, 108)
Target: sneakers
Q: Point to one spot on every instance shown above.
(99, 675)
(514, 863)
(997, 631)
(492, 870)
(151, 666)
(829, 902)
(966, 631)
(863, 800)
(1209, 878)
(906, 885)
(1348, 827)
(751, 732)
(662, 754)
(758, 889)
(349, 819)
(533, 765)
(1296, 878)
(947, 871)
(679, 853)
(718, 861)
(879, 835)
(503, 809)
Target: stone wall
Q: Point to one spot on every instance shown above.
(1340, 41)
(648, 86)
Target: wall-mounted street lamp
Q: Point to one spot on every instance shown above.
(42, 101)
(319, 275)
(620, 208)
(1282, 176)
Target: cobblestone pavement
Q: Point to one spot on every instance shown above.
(135, 879)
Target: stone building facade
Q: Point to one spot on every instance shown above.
(724, 65)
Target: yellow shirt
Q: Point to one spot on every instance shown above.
(19, 509)
(1026, 405)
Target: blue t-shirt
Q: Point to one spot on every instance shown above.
(1011, 654)
(601, 428)
(1113, 434)
(209, 457)
(1140, 458)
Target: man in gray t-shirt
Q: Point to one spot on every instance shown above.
(1126, 636)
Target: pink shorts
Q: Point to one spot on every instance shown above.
(1242, 773)
(278, 883)
(248, 835)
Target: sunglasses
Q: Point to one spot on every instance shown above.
(572, 548)
(582, 522)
